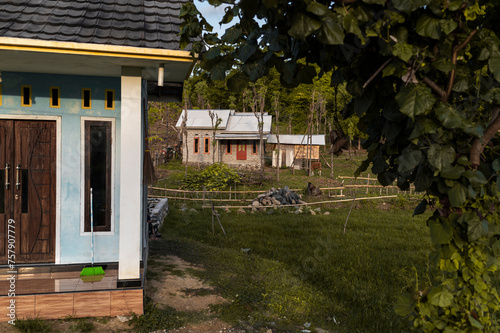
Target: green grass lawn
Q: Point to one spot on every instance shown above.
(284, 270)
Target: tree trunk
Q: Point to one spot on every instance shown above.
(278, 159)
(184, 129)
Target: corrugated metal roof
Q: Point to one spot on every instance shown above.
(297, 139)
(247, 123)
(201, 119)
(145, 23)
(236, 136)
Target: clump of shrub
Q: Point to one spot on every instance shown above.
(32, 325)
(156, 318)
(216, 177)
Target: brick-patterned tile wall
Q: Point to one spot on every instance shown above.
(201, 158)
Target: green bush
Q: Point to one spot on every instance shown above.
(216, 177)
(32, 325)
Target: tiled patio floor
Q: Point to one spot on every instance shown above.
(57, 291)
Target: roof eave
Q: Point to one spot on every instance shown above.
(36, 45)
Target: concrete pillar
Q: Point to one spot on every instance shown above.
(131, 162)
(275, 159)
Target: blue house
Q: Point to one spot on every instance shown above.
(75, 77)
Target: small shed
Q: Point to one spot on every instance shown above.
(295, 149)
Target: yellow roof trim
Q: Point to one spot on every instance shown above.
(36, 45)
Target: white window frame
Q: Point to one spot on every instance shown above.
(111, 232)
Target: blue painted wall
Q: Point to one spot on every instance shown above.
(74, 245)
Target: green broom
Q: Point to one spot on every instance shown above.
(92, 274)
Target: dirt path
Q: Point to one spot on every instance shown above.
(181, 290)
(172, 285)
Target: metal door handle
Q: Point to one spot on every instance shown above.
(7, 167)
(18, 184)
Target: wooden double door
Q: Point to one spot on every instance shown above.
(27, 192)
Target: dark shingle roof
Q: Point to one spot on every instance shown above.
(137, 23)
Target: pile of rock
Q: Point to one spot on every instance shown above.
(277, 197)
(157, 209)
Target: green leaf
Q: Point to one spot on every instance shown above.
(423, 126)
(457, 195)
(484, 54)
(415, 100)
(374, 29)
(303, 26)
(218, 72)
(375, 2)
(270, 3)
(440, 296)
(444, 65)
(363, 103)
(496, 165)
(351, 25)
(420, 209)
(463, 160)
(461, 84)
(447, 26)
(391, 130)
(448, 116)
(232, 34)
(246, 50)
(306, 74)
(403, 306)
(212, 53)
(450, 172)
(403, 51)
(409, 159)
(441, 232)
(362, 15)
(476, 177)
(476, 230)
(409, 5)
(331, 32)
(318, 9)
(379, 165)
(228, 16)
(494, 65)
(255, 70)
(455, 5)
(474, 322)
(386, 178)
(440, 157)
(237, 83)
(496, 248)
(424, 179)
(428, 27)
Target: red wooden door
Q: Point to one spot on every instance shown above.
(29, 150)
(241, 150)
(6, 129)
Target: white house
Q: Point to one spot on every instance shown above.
(236, 139)
(73, 104)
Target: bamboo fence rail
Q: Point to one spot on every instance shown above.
(347, 190)
(308, 203)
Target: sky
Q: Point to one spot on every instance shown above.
(213, 15)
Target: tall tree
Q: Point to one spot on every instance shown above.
(258, 105)
(185, 133)
(425, 81)
(216, 121)
(276, 105)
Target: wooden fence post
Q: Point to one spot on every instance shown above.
(203, 195)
